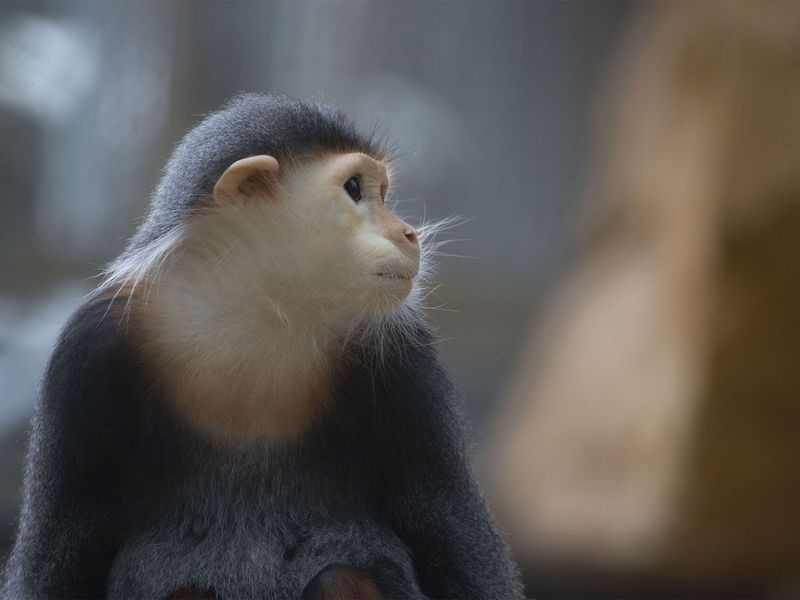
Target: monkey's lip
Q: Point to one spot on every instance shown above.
(389, 275)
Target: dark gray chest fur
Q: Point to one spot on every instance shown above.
(253, 526)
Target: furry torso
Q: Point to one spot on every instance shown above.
(259, 525)
(257, 519)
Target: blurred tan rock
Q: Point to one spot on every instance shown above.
(654, 423)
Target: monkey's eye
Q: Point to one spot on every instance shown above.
(353, 188)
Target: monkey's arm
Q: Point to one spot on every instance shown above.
(68, 525)
(435, 504)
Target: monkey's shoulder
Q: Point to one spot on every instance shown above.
(87, 398)
(410, 402)
(93, 351)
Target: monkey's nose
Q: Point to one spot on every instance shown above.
(411, 235)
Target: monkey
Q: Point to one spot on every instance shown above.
(250, 404)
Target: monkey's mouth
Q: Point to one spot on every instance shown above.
(392, 276)
(396, 273)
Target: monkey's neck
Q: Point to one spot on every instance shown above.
(238, 371)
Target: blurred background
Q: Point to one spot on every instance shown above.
(622, 318)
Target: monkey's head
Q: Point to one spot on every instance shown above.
(267, 250)
(279, 204)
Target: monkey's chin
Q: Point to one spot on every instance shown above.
(392, 291)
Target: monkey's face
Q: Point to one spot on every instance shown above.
(307, 241)
(357, 250)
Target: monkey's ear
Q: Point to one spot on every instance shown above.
(246, 177)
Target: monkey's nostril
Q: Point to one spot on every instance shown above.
(411, 235)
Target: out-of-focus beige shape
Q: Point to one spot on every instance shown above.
(654, 423)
